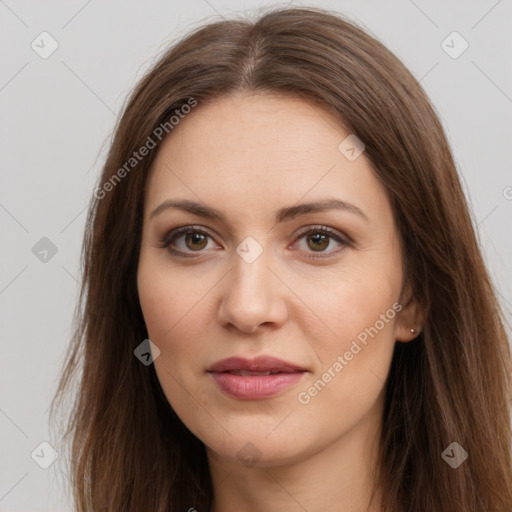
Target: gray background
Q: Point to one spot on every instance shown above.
(56, 117)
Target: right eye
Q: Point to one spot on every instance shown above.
(188, 239)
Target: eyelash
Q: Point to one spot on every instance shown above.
(165, 243)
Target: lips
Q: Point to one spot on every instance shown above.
(257, 378)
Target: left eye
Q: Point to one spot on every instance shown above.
(319, 239)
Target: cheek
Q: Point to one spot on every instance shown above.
(172, 302)
(172, 316)
(337, 309)
(352, 335)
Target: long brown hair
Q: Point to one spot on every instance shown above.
(129, 450)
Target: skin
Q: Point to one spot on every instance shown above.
(249, 155)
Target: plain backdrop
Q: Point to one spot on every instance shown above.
(58, 112)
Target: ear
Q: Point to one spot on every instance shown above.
(410, 319)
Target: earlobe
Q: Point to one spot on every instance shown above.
(414, 333)
(410, 321)
(404, 335)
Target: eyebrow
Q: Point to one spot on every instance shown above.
(281, 215)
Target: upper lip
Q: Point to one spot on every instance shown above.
(258, 364)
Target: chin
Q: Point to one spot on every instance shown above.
(253, 446)
(258, 453)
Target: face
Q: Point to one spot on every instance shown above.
(244, 270)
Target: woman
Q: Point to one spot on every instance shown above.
(284, 303)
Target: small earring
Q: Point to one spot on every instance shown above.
(413, 331)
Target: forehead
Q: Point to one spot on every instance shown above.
(261, 152)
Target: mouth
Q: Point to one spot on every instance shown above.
(258, 378)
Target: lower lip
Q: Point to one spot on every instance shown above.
(256, 386)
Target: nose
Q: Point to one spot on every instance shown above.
(252, 297)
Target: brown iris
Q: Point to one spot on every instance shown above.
(196, 238)
(321, 241)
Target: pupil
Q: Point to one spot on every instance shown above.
(320, 238)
